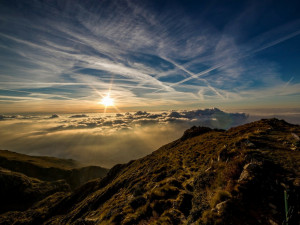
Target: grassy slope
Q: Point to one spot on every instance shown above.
(50, 168)
(206, 177)
(40, 161)
(19, 192)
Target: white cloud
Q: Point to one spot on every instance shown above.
(104, 140)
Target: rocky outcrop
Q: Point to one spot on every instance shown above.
(250, 171)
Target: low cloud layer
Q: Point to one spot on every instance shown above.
(105, 139)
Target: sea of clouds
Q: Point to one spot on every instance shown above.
(105, 139)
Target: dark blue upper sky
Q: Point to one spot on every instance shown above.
(65, 55)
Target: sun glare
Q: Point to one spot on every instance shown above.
(107, 101)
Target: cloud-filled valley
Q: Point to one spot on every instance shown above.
(108, 139)
(105, 139)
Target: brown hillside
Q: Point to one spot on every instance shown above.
(50, 168)
(19, 192)
(208, 176)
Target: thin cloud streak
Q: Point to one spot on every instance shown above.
(146, 52)
(195, 76)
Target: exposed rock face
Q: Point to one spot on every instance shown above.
(221, 207)
(250, 171)
(206, 177)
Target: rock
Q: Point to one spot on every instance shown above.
(249, 144)
(296, 136)
(272, 222)
(285, 186)
(249, 171)
(220, 207)
(208, 169)
(296, 182)
(293, 147)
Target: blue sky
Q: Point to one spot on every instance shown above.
(60, 56)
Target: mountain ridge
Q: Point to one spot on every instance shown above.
(208, 176)
(26, 180)
(50, 168)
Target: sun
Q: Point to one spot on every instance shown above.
(107, 101)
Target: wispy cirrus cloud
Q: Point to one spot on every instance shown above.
(75, 51)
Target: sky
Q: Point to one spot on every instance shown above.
(108, 81)
(65, 56)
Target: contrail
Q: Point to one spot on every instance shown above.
(276, 42)
(43, 94)
(287, 83)
(194, 76)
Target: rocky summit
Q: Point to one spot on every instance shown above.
(245, 175)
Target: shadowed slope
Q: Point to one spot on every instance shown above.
(207, 177)
(50, 168)
(18, 192)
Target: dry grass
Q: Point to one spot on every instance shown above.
(202, 169)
